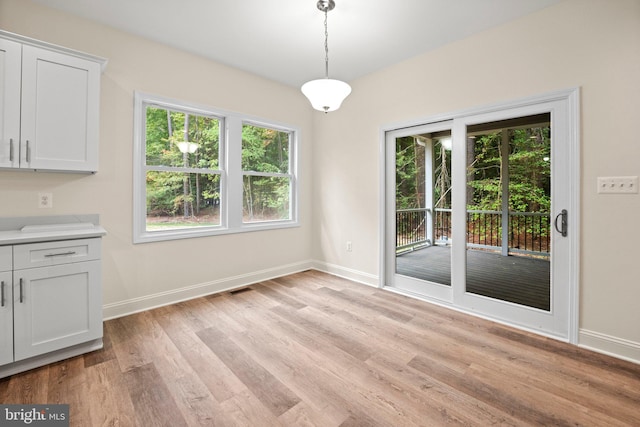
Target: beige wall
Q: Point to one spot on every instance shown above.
(591, 44)
(139, 271)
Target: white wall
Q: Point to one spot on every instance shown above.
(591, 44)
(132, 274)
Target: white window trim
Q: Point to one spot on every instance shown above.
(231, 173)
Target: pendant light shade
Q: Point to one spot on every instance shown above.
(326, 94)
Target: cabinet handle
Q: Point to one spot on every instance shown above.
(60, 254)
(11, 149)
(28, 153)
(2, 294)
(21, 291)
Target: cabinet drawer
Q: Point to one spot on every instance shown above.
(6, 263)
(55, 253)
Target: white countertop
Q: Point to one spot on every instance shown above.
(33, 233)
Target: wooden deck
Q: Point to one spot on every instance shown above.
(516, 279)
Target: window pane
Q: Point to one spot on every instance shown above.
(264, 150)
(181, 139)
(508, 205)
(266, 198)
(181, 200)
(423, 207)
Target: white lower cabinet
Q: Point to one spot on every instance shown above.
(6, 306)
(57, 308)
(53, 299)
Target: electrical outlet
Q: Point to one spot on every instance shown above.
(618, 184)
(45, 200)
(349, 246)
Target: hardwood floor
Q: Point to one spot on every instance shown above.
(312, 349)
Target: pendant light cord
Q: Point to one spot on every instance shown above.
(326, 44)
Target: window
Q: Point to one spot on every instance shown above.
(266, 183)
(200, 172)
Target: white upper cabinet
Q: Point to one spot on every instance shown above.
(60, 101)
(49, 113)
(10, 77)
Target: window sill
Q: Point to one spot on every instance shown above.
(177, 234)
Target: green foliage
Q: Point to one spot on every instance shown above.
(529, 172)
(170, 193)
(411, 174)
(197, 189)
(163, 191)
(265, 150)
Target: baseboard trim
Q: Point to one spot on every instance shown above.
(149, 302)
(347, 273)
(610, 345)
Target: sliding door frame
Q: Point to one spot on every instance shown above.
(569, 102)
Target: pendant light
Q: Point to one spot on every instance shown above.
(326, 94)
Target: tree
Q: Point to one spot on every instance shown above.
(174, 193)
(529, 172)
(410, 173)
(265, 150)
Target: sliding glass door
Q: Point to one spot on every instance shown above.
(478, 212)
(508, 218)
(419, 215)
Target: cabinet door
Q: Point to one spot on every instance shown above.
(56, 307)
(60, 103)
(10, 76)
(6, 318)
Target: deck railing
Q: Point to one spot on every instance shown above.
(411, 228)
(529, 232)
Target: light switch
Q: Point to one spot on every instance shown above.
(618, 184)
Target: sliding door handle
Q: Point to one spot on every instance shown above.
(562, 216)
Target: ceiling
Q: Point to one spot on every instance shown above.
(283, 40)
